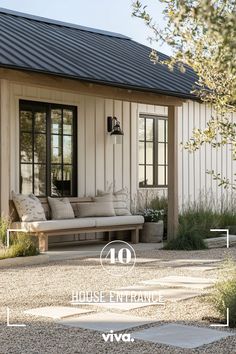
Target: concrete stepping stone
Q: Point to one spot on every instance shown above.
(198, 268)
(105, 322)
(56, 312)
(182, 281)
(124, 306)
(180, 335)
(137, 261)
(189, 262)
(159, 293)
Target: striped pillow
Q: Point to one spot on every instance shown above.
(119, 198)
(61, 208)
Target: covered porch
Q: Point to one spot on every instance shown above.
(99, 162)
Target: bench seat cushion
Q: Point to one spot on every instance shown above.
(119, 220)
(51, 225)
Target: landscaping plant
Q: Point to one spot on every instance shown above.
(224, 293)
(21, 244)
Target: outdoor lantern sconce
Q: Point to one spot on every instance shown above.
(113, 127)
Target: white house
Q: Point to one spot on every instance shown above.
(60, 82)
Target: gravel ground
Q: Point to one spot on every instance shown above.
(28, 287)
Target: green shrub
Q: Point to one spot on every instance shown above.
(187, 239)
(224, 293)
(4, 225)
(21, 246)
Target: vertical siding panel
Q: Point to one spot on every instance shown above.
(100, 127)
(186, 171)
(161, 110)
(202, 153)
(81, 148)
(191, 156)
(90, 145)
(208, 160)
(108, 148)
(5, 146)
(126, 146)
(134, 152)
(196, 155)
(117, 178)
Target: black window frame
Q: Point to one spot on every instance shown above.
(155, 142)
(48, 107)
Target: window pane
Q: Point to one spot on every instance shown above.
(141, 128)
(56, 119)
(149, 153)
(56, 181)
(161, 130)
(26, 121)
(161, 154)
(141, 176)
(161, 175)
(40, 122)
(149, 175)
(149, 129)
(67, 121)
(40, 179)
(166, 175)
(26, 147)
(141, 153)
(56, 149)
(67, 181)
(67, 149)
(26, 179)
(40, 148)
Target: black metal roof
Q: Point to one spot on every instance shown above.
(48, 46)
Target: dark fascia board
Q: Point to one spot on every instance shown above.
(61, 23)
(106, 83)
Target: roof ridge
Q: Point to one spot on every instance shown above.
(61, 23)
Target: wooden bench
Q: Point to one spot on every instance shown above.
(43, 235)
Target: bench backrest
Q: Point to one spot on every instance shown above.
(74, 202)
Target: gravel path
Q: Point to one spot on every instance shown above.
(36, 286)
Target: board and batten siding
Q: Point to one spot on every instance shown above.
(194, 182)
(100, 163)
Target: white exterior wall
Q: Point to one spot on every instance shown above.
(194, 182)
(102, 164)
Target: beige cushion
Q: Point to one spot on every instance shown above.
(96, 209)
(51, 225)
(61, 208)
(29, 207)
(120, 220)
(120, 201)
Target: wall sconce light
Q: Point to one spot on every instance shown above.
(113, 127)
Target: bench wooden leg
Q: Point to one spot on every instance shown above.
(135, 236)
(43, 242)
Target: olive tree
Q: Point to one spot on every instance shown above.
(202, 35)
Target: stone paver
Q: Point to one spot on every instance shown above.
(56, 312)
(105, 321)
(180, 335)
(159, 293)
(182, 281)
(124, 306)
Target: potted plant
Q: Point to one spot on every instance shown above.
(153, 227)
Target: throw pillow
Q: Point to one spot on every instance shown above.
(61, 208)
(95, 209)
(120, 201)
(29, 207)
